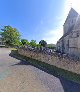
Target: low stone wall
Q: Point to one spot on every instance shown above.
(52, 60)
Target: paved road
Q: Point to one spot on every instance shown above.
(27, 78)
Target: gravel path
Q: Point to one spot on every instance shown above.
(27, 78)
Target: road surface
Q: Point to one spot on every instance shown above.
(15, 77)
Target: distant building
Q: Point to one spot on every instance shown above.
(69, 43)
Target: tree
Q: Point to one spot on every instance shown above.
(38, 46)
(51, 46)
(11, 36)
(43, 43)
(24, 42)
(33, 43)
(0, 33)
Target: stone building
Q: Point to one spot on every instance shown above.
(69, 43)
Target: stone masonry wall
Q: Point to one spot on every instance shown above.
(52, 60)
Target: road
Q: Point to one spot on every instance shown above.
(15, 77)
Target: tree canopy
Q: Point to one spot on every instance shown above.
(24, 42)
(43, 43)
(11, 36)
(33, 43)
(51, 46)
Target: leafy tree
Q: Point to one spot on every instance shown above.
(51, 46)
(38, 46)
(11, 36)
(24, 42)
(0, 33)
(43, 43)
(33, 43)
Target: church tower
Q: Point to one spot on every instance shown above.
(70, 21)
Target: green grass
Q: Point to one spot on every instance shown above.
(50, 68)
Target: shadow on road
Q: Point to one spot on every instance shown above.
(68, 86)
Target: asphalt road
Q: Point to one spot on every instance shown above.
(15, 77)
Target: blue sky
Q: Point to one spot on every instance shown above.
(35, 19)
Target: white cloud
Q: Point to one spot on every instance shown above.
(76, 5)
(52, 36)
(72, 3)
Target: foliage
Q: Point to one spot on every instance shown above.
(11, 36)
(38, 46)
(43, 43)
(0, 33)
(24, 42)
(51, 46)
(33, 43)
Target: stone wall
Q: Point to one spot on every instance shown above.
(52, 60)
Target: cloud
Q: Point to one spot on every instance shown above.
(72, 3)
(76, 5)
(52, 36)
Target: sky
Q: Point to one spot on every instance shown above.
(37, 19)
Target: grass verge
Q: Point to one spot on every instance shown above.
(51, 69)
(13, 49)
